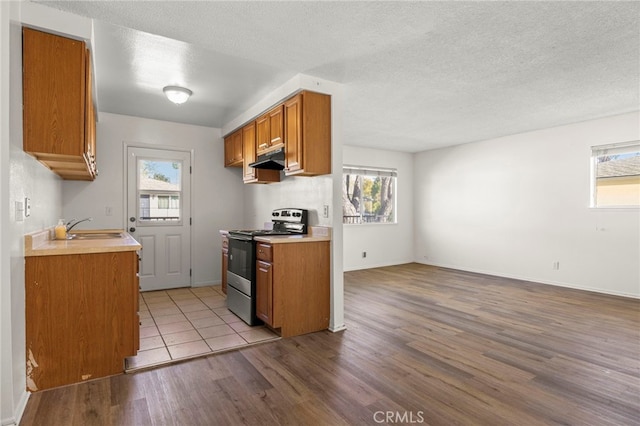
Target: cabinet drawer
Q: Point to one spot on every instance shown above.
(264, 252)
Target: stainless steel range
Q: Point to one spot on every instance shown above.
(241, 272)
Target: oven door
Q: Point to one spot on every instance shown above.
(241, 278)
(241, 258)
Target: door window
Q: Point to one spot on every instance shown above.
(159, 191)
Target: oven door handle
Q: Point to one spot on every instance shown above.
(240, 237)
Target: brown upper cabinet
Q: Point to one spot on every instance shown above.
(250, 174)
(300, 124)
(270, 131)
(58, 111)
(233, 149)
(307, 120)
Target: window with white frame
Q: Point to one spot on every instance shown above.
(615, 175)
(159, 190)
(368, 195)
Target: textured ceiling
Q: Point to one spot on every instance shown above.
(417, 75)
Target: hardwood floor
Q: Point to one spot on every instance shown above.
(424, 345)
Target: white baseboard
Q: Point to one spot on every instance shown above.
(535, 280)
(375, 265)
(338, 328)
(206, 283)
(19, 411)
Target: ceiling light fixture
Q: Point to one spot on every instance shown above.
(176, 94)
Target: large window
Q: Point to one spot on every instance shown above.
(368, 195)
(615, 175)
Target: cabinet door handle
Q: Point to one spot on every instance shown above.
(263, 145)
(275, 139)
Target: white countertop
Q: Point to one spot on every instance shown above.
(316, 233)
(39, 243)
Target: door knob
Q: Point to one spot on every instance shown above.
(132, 219)
(132, 229)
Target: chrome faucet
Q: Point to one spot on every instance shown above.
(74, 222)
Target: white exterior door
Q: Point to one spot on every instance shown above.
(159, 215)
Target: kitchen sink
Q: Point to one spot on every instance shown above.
(94, 235)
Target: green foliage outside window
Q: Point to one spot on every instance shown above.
(368, 195)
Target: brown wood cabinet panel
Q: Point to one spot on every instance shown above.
(264, 292)
(262, 134)
(264, 252)
(135, 296)
(228, 151)
(81, 317)
(233, 149)
(293, 134)
(251, 175)
(276, 127)
(301, 280)
(270, 131)
(54, 93)
(307, 124)
(249, 145)
(136, 334)
(292, 286)
(58, 111)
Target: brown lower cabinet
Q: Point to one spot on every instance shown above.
(292, 286)
(81, 316)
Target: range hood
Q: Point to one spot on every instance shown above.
(273, 160)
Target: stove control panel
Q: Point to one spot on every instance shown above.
(290, 220)
(290, 215)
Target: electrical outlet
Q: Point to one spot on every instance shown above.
(556, 265)
(108, 211)
(27, 206)
(325, 212)
(364, 254)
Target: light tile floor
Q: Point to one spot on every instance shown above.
(188, 322)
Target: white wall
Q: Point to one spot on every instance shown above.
(7, 406)
(21, 177)
(217, 192)
(305, 192)
(311, 193)
(385, 244)
(512, 206)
